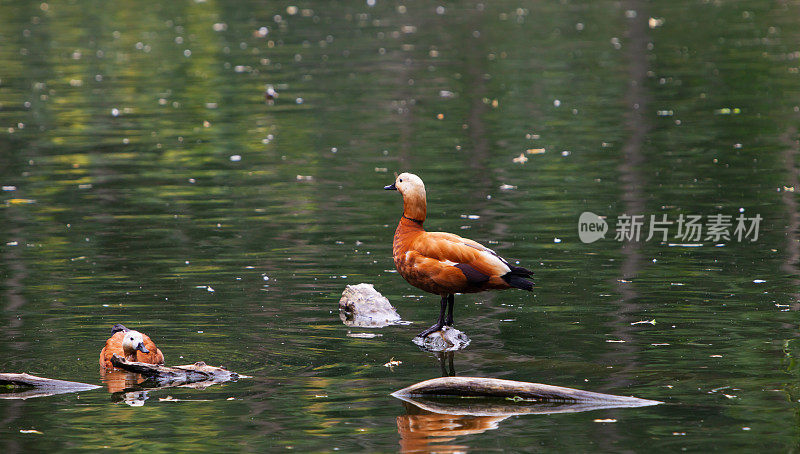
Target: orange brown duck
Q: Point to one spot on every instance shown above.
(131, 345)
(444, 263)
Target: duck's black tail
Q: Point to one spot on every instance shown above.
(516, 278)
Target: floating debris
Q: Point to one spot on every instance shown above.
(728, 111)
(507, 187)
(655, 22)
(643, 322)
(270, 95)
(364, 335)
(535, 150)
(758, 281)
(19, 201)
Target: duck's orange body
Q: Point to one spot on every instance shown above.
(444, 263)
(139, 348)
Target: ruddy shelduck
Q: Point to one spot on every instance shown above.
(131, 345)
(444, 263)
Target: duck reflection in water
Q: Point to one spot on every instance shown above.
(446, 358)
(425, 431)
(120, 381)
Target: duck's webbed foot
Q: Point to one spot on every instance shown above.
(436, 327)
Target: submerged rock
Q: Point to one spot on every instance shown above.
(448, 339)
(363, 306)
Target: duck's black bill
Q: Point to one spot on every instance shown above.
(391, 187)
(141, 348)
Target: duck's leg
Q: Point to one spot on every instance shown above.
(440, 323)
(450, 300)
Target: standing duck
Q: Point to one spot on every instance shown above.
(444, 263)
(131, 345)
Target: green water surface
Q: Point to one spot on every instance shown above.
(147, 182)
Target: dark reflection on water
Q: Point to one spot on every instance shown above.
(145, 182)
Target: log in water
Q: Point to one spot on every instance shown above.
(177, 375)
(515, 390)
(25, 386)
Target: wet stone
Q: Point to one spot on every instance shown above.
(447, 339)
(363, 306)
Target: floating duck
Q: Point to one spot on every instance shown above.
(444, 263)
(131, 345)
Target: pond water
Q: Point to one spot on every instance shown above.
(147, 182)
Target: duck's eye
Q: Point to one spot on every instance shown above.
(401, 180)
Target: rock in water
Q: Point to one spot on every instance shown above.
(363, 306)
(448, 339)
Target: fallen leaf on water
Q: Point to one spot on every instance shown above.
(521, 159)
(535, 150)
(392, 362)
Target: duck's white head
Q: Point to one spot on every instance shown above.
(133, 341)
(413, 191)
